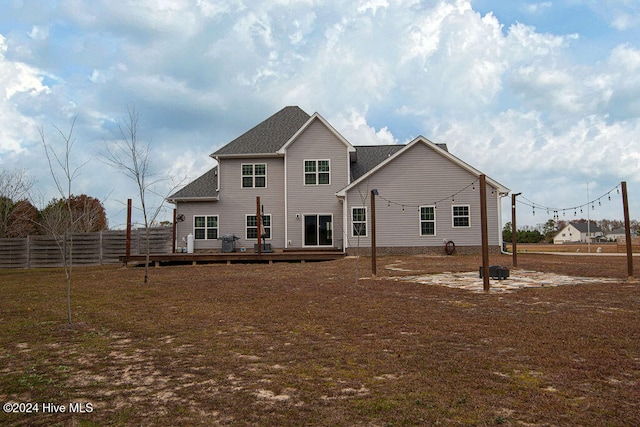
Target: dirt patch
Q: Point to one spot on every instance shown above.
(327, 344)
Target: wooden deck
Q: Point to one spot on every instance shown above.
(235, 257)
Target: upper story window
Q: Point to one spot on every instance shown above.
(254, 175)
(427, 221)
(317, 172)
(461, 216)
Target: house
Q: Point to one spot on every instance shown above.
(578, 232)
(619, 233)
(314, 188)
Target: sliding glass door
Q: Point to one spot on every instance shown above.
(318, 230)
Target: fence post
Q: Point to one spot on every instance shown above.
(627, 231)
(29, 251)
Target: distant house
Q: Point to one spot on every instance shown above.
(614, 235)
(315, 192)
(578, 232)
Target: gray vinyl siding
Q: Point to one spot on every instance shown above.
(420, 177)
(315, 143)
(184, 228)
(237, 202)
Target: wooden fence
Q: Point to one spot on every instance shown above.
(622, 244)
(88, 248)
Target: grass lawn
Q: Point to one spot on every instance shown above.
(304, 344)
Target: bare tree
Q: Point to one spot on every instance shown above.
(15, 186)
(60, 164)
(132, 158)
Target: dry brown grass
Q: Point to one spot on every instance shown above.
(303, 344)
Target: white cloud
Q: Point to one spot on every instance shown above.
(512, 101)
(534, 8)
(19, 83)
(353, 126)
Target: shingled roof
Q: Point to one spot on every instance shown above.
(203, 187)
(369, 156)
(583, 227)
(268, 136)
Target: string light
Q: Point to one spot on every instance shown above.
(524, 201)
(452, 197)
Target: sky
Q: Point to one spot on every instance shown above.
(541, 96)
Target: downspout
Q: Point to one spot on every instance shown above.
(286, 204)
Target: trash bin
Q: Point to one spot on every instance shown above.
(229, 242)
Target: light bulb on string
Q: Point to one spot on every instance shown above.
(534, 211)
(617, 190)
(609, 196)
(599, 203)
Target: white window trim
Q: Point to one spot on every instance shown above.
(253, 175)
(270, 227)
(420, 221)
(317, 172)
(467, 216)
(366, 222)
(205, 228)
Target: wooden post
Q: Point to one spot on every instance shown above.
(374, 270)
(173, 237)
(128, 248)
(627, 231)
(259, 224)
(484, 230)
(514, 250)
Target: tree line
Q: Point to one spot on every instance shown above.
(20, 218)
(547, 231)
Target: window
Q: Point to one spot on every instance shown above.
(359, 221)
(461, 216)
(427, 221)
(252, 226)
(317, 172)
(254, 175)
(205, 227)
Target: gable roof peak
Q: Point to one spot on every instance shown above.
(268, 136)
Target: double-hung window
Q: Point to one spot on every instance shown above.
(252, 226)
(460, 216)
(317, 172)
(254, 175)
(205, 227)
(359, 222)
(427, 221)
